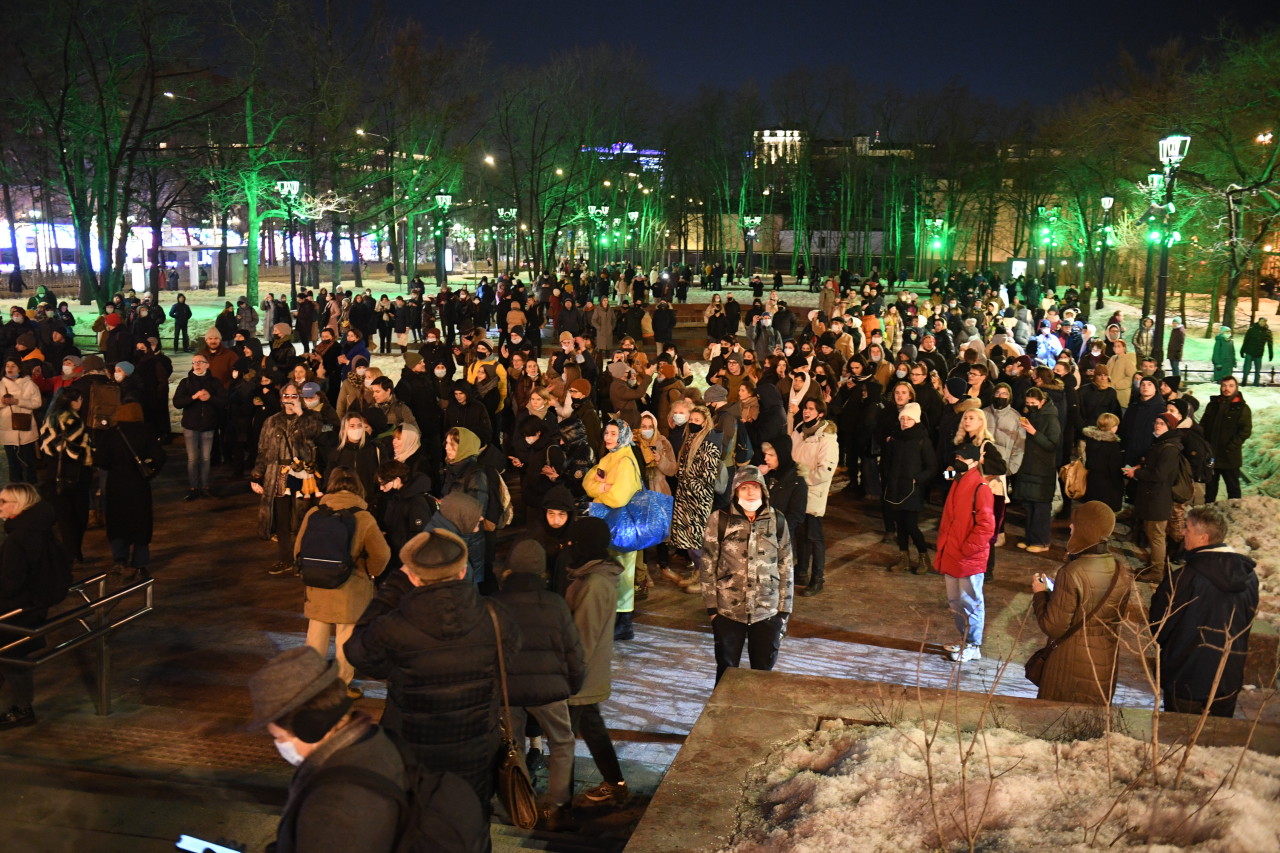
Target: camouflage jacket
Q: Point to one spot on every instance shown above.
(747, 571)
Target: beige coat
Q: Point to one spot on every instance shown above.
(1121, 369)
(343, 606)
(28, 396)
(1082, 669)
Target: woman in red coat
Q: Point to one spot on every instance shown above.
(964, 534)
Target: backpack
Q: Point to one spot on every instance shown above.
(1198, 453)
(499, 510)
(439, 812)
(104, 399)
(1182, 482)
(324, 556)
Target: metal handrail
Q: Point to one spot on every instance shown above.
(96, 620)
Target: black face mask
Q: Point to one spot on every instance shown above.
(1000, 402)
(692, 427)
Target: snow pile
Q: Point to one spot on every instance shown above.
(1254, 529)
(865, 788)
(1261, 453)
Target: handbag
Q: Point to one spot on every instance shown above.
(642, 523)
(1035, 665)
(1075, 478)
(148, 468)
(515, 790)
(19, 421)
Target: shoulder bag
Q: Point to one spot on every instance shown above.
(515, 790)
(148, 468)
(1037, 662)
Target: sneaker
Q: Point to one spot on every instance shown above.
(17, 717)
(1037, 549)
(967, 654)
(192, 495)
(605, 794)
(280, 567)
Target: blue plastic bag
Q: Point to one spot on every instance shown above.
(642, 523)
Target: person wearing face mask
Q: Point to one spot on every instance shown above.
(964, 536)
(355, 393)
(613, 482)
(698, 460)
(747, 575)
(817, 451)
(301, 702)
(359, 453)
(1037, 480)
(660, 464)
(407, 506)
(201, 398)
(1153, 501)
(19, 398)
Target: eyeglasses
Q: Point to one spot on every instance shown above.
(288, 396)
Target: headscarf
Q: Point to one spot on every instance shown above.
(624, 433)
(645, 451)
(410, 441)
(468, 444)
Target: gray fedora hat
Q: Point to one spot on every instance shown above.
(286, 682)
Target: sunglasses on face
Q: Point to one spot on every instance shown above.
(288, 396)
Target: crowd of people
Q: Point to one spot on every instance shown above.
(528, 413)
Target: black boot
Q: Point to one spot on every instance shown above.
(814, 587)
(17, 717)
(622, 629)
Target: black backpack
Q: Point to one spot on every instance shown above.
(1198, 453)
(324, 557)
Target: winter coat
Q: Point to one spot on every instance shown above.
(1192, 611)
(817, 453)
(549, 666)
(435, 647)
(1038, 477)
(200, 415)
(908, 464)
(1257, 341)
(126, 497)
(369, 549)
(405, 513)
(1082, 669)
(1103, 459)
(1177, 340)
(604, 320)
(1224, 356)
(623, 399)
(24, 551)
(967, 527)
(788, 495)
(1121, 370)
(1009, 438)
(28, 400)
(695, 489)
(1095, 401)
(1135, 427)
(1227, 424)
(592, 596)
(620, 481)
(1153, 500)
(748, 573)
(282, 439)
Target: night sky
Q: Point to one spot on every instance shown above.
(1009, 51)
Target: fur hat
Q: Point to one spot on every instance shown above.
(910, 410)
(1091, 523)
(435, 556)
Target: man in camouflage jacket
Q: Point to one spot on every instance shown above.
(747, 575)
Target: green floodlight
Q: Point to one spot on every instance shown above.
(1044, 230)
(1154, 236)
(1044, 241)
(937, 244)
(1175, 237)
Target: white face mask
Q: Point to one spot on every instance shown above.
(751, 506)
(531, 440)
(68, 369)
(368, 383)
(647, 433)
(440, 372)
(355, 434)
(679, 419)
(289, 752)
(119, 376)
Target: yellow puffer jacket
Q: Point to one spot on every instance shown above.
(620, 481)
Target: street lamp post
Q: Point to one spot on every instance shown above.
(634, 215)
(751, 223)
(506, 215)
(443, 202)
(1155, 187)
(289, 191)
(1173, 150)
(1107, 201)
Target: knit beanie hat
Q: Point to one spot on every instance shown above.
(412, 360)
(910, 410)
(582, 386)
(558, 497)
(590, 540)
(126, 367)
(112, 320)
(1183, 406)
(527, 557)
(1169, 420)
(957, 387)
(1091, 523)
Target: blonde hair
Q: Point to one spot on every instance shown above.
(23, 495)
(981, 437)
(372, 373)
(1107, 420)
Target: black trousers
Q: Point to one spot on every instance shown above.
(812, 550)
(1229, 477)
(589, 725)
(762, 639)
(906, 524)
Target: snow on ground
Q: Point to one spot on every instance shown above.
(865, 788)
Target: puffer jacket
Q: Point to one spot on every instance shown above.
(1082, 669)
(621, 478)
(27, 394)
(435, 647)
(592, 596)
(907, 464)
(817, 453)
(549, 667)
(343, 606)
(1009, 438)
(967, 526)
(1153, 500)
(748, 573)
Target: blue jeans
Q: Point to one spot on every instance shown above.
(1175, 368)
(1254, 361)
(133, 555)
(964, 597)
(199, 450)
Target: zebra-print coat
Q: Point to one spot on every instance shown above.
(695, 491)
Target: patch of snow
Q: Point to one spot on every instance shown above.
(865, 788)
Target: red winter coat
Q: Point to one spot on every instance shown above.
(967, 525)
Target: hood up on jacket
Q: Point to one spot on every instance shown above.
(1222, 566)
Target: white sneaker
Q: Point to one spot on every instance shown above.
(967, 654)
